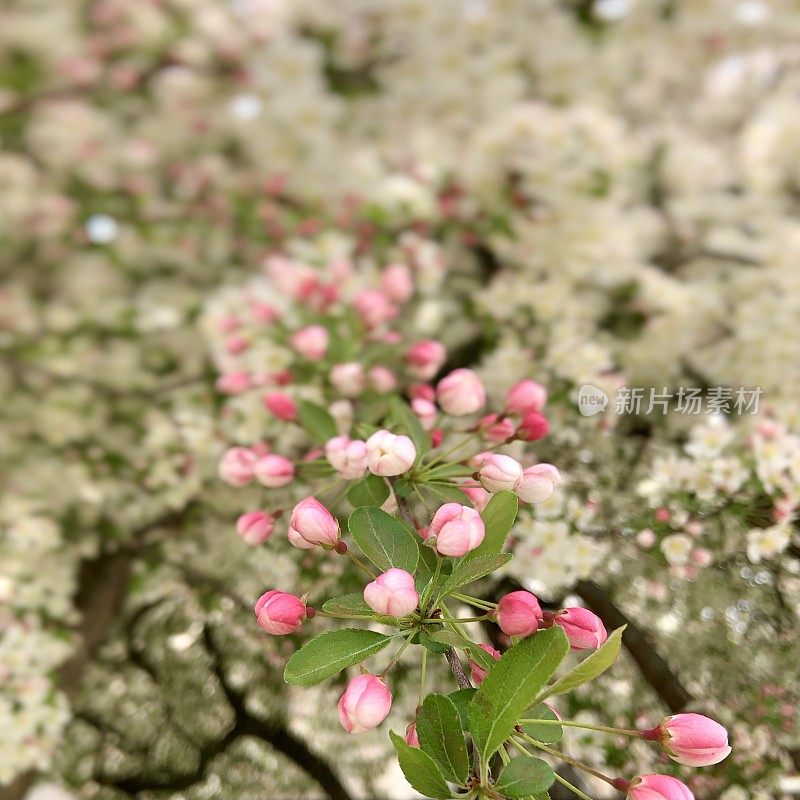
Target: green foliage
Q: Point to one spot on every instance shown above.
(352, 606)
(384, 540)
(511, 685)
(543, 733)
(524, 776)
(404, 419)
(596, 664)
(461, 700)
(439, 732)
(420, 769)
(316, 421)
(371, 490)
(469, 570)
(331, 652)
(498, 517)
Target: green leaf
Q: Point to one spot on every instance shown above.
(409, 423)
(450, 638)
(384, 540)
(316, 421)
(420, 769)
(461, 699)
(511, 685)
(596, 664)
(428, 641)
(524, 776)
(449, 471)
(498, 517)
(443, 492)
(440, 736)
(352, 606)
(467, 571)
(543, 733)
(331, 652)
(371, 490)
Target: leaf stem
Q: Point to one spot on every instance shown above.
(458, 620)
(474, 601)
(390, 666)
(586, 726)
(359, 563)
(564, 757)
(426, 595)
(572, 787)
(422, 673)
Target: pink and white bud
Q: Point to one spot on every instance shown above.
(538, 483)
(382, 379)
(312, 522)
(237, 465)
(235, 345)
(274, 471)
(646, 538)
(534, 426)
(693, 740)
(495, 428)
(425, 411)
(390, 454)
(374, 307)
(282, 406)
(234, 383)
(280, 613)
(498, 472)
(255, 527)
(701, 557)
(311, 342)
(342, 413)
(519, 614)
(477, 672)
(584, 628)
(347, 456)
(461, 393)
(425, 359)
(411, 738)
(658, 787)
(349, 379)
(366, 703)
(423, 391)
(392, 593)
(397, 283)
(478, 496)
(524, 397)
(458, 529)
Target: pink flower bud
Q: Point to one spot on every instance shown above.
(498, 472)
(518, 614)
(349, 379)
(460, 393)
(347, 456)
(524, 397)
(374, 307)
(382, 379)
(392, 593)
(411, 738)
(538, 483)
(298, 541)
(280, 613)
(311, 342)
(389, 454)
(646, 538)
(477, 672)
(397, 283)
(236, 467)
(425, 359)
(312, 522)
(458, 529)
(495, 428)
(701, 557)
(658, 787)
(255, 527)
(693, 740)
(584, 628)
(662, 514)
(236, 345)
(366, 703)
(534, 426)
(425, 411)
(234, 382)
(478, 496)
(281, 405)
(423, 391)
(274, 471)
